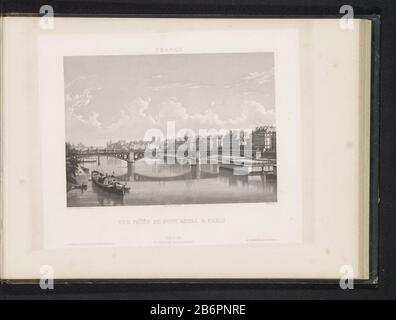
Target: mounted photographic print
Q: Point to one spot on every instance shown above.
(170, 139)
(202, 148)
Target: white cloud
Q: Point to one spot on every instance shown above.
(134, 114)
(76, 104)
(79, 100)
(140, 116)
(91, 120)
(252, 114)
(260, 77)
(255, 114)
(208, 118)
(158, 76)
(172, 110)
(178, 85)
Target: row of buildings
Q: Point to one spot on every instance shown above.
(260, 142)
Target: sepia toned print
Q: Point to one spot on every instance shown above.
(170, 129)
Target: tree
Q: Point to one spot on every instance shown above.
(71, 164)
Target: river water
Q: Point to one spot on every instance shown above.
(153, 183)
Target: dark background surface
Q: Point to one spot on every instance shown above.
(386, 287)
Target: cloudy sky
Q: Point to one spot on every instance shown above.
(121, 97)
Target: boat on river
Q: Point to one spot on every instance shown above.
(86, 170)
(108, 183)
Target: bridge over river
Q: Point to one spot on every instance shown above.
(129, 156)
(240, 165)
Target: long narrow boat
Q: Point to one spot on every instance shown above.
(113, 187)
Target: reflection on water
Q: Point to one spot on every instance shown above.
(155, 183)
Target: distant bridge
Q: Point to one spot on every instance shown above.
(126, 155)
